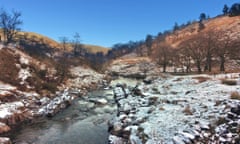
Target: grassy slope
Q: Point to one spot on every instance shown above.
(54, 44)
(217, 23)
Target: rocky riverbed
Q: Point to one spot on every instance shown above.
(84, 121)
(176, 109)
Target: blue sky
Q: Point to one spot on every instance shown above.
(107, 22)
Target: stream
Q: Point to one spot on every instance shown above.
(84, 122)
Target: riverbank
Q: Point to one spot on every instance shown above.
(18, 107)
(84, 121)
(176, 109)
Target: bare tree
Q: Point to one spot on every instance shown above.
(209, 46)
(77, 47)
(184, 58)
(163, 54)
(64, 41)
(10, 24)
(148, 42)
(195, 47)
(224, 42)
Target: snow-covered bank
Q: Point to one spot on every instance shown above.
(169, 108)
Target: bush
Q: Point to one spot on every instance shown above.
(201, 79)
(52, 87)
(229, 82)
(235, 95)
(187, 110)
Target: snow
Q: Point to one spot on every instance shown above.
(24, 60)
(174, 94)
(5, 88)
(24, 74)
(8, 109)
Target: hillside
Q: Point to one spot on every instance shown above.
(32, 37)
(214, 24)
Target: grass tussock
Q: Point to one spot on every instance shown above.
(229, 82)
(235, 95)
(187, 110)
(201, 79)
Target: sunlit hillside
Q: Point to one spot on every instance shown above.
(213, 24)
(41, 39)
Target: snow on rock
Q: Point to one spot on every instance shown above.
(24, 60)
(85, 78)
(51, 107)
(24, 74)
(4, 128)
(6, 89)
(5, 140)
(8, 109)
(168, 109)
(133, 67)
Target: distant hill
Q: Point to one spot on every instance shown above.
(213, 24)
(95, 48)
(31, 37)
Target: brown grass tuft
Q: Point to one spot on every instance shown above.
(235, 95)
(229, 82)
(187, 110)
(201, 79)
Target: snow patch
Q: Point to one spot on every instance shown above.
(24, 74)
(24, 60)
(8, 109)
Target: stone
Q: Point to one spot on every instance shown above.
(102, 101)
(178, 140)
(5, 140)
(4, 128)
(188, 135)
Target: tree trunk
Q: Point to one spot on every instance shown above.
(199, 66)
(208, 66)
(222, 62)
(164, 67)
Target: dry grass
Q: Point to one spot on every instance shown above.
(235, 95)
(201, 79)
(229, 82)
(8, 69)
(187, 110)
(95, 49)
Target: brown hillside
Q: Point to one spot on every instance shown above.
(214, 24)
(32, 37)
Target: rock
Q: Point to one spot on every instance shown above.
(148, 80)
(102, 101)
(5, 140)
(4, 128)
(178, 140)
(135, 140)
(188, 135)
(137, 91)
(112, 139)
(88, 105)
(117, 129)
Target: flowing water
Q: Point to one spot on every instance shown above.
(82, 123)
(74, 125)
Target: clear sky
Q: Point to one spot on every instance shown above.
(107, 22)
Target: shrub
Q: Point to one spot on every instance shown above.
(42, 73)
(201, 79)
(52, 87)
(229, 82)
(187, 110)
(235, 95)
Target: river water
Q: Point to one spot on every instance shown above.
(82, 123)
(74, 125)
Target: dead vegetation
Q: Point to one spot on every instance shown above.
(201, 79)
(8, 69)
(235, 95)
(230, 82)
